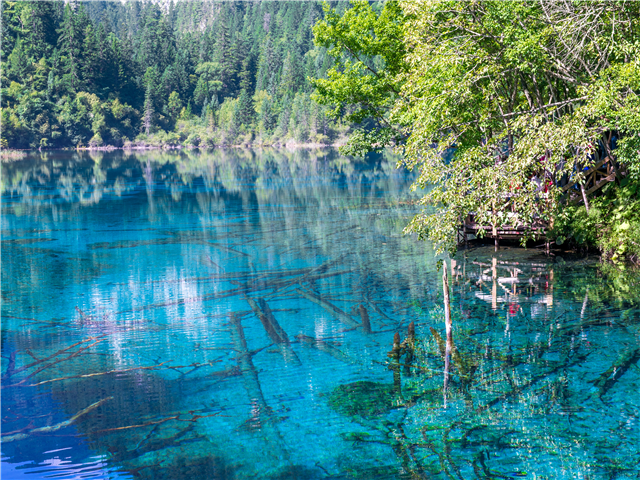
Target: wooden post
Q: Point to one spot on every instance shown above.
(494, 288)
(447, 302)
(584, 198)
(395, 367)
(448, 326)
(410, 346)
(584, 304)
(411, 337)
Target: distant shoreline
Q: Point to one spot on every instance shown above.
(13, 152)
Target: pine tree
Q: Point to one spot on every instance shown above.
(92, 62)
(171, 15)
(70, 44)
(247, 73)
(19, 63)
(42, 23)
(150, 79)
(267, 116)
(225, 55)
(245, 112)
(287, 77)
(174, 105)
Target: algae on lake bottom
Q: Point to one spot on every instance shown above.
(363, 398)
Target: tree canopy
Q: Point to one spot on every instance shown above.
(486, 97)
(238, 69)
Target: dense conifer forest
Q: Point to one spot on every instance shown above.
(95, 74)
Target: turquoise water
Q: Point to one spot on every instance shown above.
(200, 315)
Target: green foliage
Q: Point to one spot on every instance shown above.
(149, 69)
(174, 105)
(612, 223)
(363, 399)
(493, 102)
(209, 83)
(368, 74)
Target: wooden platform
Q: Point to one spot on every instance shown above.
(579, 187)
(506, 232)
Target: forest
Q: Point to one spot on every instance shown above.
(96, 74)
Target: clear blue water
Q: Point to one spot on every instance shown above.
(139, 293)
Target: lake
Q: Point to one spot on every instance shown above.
(231, 314)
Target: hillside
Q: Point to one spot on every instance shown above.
(193, 72)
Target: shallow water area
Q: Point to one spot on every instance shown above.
(229, 314)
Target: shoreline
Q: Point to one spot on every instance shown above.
(142, 146)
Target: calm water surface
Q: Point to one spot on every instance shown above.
(203, 315)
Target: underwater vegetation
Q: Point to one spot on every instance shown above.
(363, 398)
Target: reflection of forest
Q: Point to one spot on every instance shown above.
(288, 191)
(85, 176)
(147, 255)
(545, 363)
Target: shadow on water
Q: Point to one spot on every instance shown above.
(257, 314)
(140, 421)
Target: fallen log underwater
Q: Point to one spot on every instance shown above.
(608, 378)
(240, 289)
(342, 316)
(69, 356)
(57, 426)
(273, 329)
(261, 412)
(325, 347)
(364, 317)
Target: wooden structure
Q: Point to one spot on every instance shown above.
(601, 174)
(507, 232)
(575, 190)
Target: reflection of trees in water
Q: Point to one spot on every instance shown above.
(84, 177)
(542, 391)
(244, 203)
(286, 193)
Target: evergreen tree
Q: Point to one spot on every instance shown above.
(268, 117)
(292, 77)
(92, 61)
(245, 112)
(43, 22)
(70, 45)
(174, 105)
(147, 119)
(20, 66)
(225, 55)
